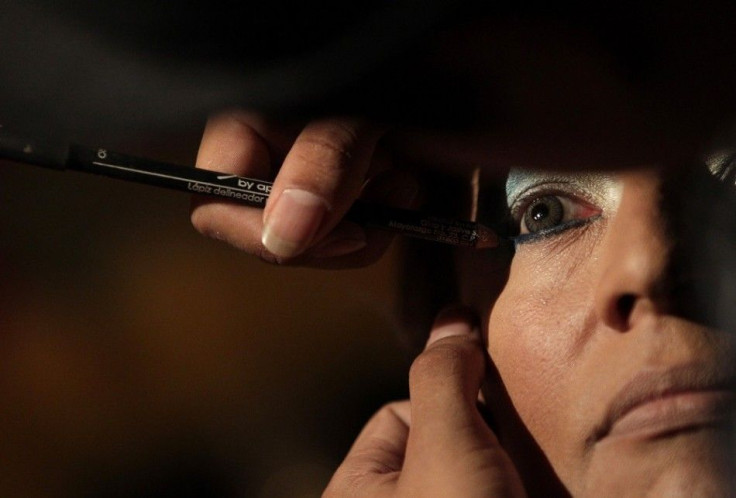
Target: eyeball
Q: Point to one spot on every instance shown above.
(542, 214)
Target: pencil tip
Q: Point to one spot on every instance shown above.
(487, 238)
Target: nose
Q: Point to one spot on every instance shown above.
(634, 255)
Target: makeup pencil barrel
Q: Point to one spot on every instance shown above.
(418, 225)
(100, 161)
(249, 191)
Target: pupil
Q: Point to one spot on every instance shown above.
(539, 212)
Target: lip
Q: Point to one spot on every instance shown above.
(661, 402)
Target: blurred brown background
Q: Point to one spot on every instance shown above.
(138, 358)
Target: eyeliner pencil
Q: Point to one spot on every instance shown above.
(249, 191)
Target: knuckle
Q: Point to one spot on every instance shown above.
(347, 481)
(353, 480)
(241, 130)
(334, 147)
(232, 144)
(245, 119)
(235, 121)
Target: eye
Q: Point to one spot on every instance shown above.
(552, 213)
(543, 213)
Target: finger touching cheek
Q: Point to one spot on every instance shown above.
(445, 379)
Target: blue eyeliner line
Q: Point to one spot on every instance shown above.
(549, 232)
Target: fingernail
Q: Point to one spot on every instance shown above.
(292, 222)
(454, 321)
(346, 239)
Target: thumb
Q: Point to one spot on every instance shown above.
(450, 450)
(444, 382)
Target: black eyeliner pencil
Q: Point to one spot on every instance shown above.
(249, 191)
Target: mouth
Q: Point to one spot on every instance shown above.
(661, 403)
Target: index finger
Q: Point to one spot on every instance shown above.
(233, 142)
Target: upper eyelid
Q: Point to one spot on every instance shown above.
(546, 188)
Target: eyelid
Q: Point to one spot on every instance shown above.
(570, 191)
(598, 188)
(550, 232)
(522, 200)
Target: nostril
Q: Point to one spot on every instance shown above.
(624, 306)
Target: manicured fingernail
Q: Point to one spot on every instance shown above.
(455, 321)
(293, 222)
(346, 239)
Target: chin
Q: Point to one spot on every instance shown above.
(691, 463)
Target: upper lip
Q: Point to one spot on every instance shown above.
(651, 385)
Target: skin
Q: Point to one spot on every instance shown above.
(326, 162)
(405, 448)
(437, 444)
(583, 313)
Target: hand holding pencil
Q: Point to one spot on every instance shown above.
(323, 168)
(315, 217)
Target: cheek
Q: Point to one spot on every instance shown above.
(535, 333)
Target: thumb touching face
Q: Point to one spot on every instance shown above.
(450, 447)
(436, 444)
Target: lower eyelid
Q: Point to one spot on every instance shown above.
(526, 238)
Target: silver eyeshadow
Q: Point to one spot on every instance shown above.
(601, 189)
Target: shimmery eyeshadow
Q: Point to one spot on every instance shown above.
(601, 188)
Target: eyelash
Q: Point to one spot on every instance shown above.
(526, 200)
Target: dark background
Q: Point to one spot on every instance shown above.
(138, 358)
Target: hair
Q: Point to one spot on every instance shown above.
(723, 166)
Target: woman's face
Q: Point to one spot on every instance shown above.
(619, 392)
